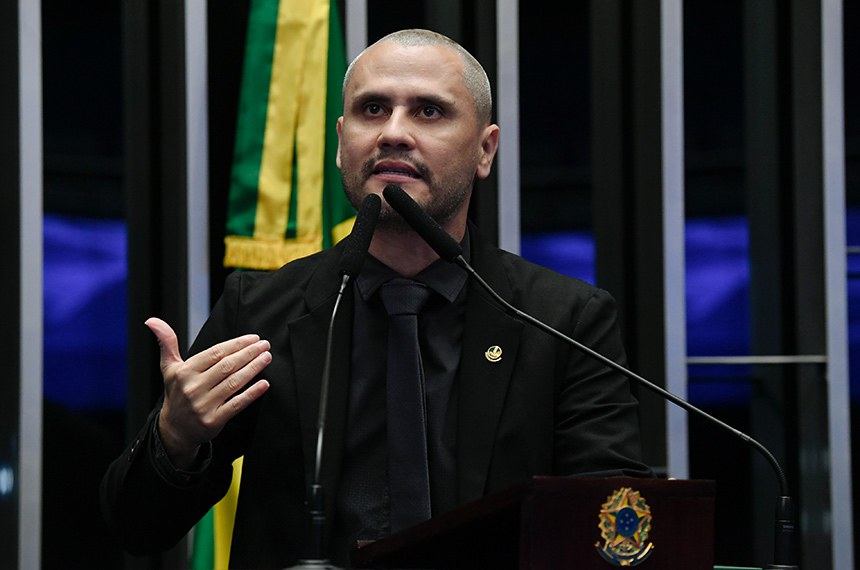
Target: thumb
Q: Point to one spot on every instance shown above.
(167, 342)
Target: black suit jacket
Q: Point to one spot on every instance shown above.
(543, 409)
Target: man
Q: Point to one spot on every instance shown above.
(417, 112)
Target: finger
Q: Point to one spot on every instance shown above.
(225, 357)
(241, 368)
(234, 405)
(167, 342)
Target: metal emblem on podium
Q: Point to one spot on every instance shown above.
(625, 522)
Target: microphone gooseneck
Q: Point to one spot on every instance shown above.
(351, 261)
(447, 248)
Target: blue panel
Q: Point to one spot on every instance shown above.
(717, 274)
(85, 272)
(571, 253)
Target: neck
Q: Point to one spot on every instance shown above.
(406, 252)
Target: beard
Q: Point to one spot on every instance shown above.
(448, 194)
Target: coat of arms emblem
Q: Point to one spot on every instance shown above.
(625, 522)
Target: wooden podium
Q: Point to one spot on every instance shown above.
(553, 523)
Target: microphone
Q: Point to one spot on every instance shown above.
(448, 249)
(359, 239)
(444, 245)
(351, 261)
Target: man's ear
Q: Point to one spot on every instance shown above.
(339, 131)
(489, 146)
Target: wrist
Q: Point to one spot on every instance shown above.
(180, 453)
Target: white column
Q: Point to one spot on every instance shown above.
(833, 148)
(508, 114)
(29, 475)
(672, 81)
(355, 27)
(197, 167)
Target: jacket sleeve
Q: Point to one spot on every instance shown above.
(596, 422)
(150, 512)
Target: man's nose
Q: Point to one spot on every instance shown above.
(397, 131)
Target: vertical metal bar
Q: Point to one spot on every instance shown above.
(768, 122)
(481, 24)
(643, 202)
(197, 167)
(806, 394)
(156, 154)
(836, 307)
(29, 477)
(508, 109)
(674, 306)
(138, 127)
(628, 187)
(356, 27)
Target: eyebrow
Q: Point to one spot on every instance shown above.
(439, 101)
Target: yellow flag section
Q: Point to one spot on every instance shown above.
(225, 513)
(286, 199)
(214, 533)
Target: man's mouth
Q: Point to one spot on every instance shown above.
(396, 169)
(408, 173)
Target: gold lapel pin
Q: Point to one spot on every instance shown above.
(494, 353)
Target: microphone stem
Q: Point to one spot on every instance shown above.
(325, 382)
(315, 495)
(316, 510)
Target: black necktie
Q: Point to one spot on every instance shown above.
(408, 475)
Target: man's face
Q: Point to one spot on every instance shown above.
(410, 120)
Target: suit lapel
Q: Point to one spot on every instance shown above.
(484, 377)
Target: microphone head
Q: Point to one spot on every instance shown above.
(359, 239)
(443, 244)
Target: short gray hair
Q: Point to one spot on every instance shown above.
(474, 75)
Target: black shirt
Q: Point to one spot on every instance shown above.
(362, 509)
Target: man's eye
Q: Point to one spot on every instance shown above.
(373, 108)
(430, 112)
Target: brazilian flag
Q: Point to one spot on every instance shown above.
(286, 198)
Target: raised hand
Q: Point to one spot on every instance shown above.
(202, 394)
